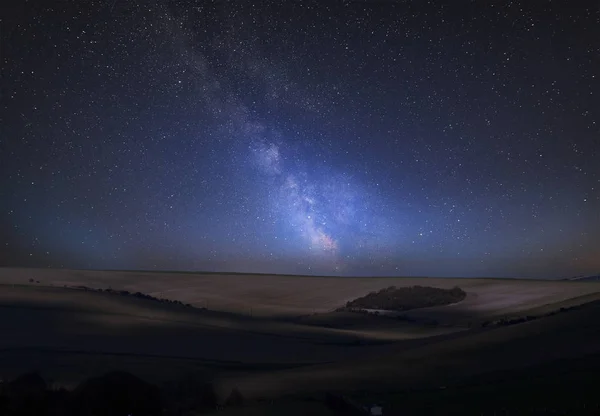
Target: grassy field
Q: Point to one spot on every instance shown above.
(274, 296)
(271, 336)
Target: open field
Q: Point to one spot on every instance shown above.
(272, 336)
(276, 296)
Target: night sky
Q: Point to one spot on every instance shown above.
(351, 138)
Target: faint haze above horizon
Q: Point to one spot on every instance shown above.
(342, 138)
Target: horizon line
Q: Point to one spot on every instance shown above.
(205, 272)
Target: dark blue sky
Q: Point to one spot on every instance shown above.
(358, 138)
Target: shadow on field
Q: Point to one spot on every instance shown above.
(561, 387)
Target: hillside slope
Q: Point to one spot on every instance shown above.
(276, 296)
(571, 334)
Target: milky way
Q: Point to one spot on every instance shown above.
(318, 208)
(355, 138)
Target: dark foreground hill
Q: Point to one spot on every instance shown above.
(562, 387)
(114, 393)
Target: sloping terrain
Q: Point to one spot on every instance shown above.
(43, 326)
(278, 345)
(443, 361)
(274, 296)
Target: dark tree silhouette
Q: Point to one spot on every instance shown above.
(406, 298)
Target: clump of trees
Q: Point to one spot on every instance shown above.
(518, 320)
(406, 298)
(138, 295)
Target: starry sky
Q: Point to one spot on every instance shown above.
(344, 138)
